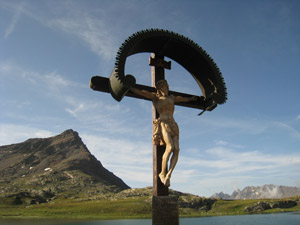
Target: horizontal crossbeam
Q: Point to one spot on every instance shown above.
(98, 83)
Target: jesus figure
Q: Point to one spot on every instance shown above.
(166, 131)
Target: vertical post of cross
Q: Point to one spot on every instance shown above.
(157, 73)
(164, 208)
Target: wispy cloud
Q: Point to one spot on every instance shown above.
(220, 167)
(287, 128)
(49, 80)
(75, 111)
(130, 159)
(253, 126)
(225, 143)
(136, 175)
(93, 32)
(228, 158)
(91, 112)
(16, 16)
(11, 133)
(231, 162)
(119, 151)
(58, 80)
(38, 88)
(250, 126)
(111, 119)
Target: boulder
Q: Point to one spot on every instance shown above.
(283, 204)
(262, 205)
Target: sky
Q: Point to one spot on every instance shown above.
(49, 50)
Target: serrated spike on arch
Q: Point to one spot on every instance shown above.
(205, 71)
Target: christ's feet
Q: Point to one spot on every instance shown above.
(165, 180)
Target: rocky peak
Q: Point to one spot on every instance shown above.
(221, 195)
(69, 135)
(62, 155)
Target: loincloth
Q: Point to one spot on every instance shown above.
(170, 126)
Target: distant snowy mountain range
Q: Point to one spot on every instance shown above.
(260, 192)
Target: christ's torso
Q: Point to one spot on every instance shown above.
(164, 106)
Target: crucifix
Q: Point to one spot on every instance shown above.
(165, 132)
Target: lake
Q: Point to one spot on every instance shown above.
(261, 219)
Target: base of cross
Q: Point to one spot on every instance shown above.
(165, 210)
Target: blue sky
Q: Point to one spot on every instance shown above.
(49, 50)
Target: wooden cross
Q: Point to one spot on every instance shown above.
(157, 73)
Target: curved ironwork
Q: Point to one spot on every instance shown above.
(176, 47)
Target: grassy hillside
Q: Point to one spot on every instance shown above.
(237, 207)
(122, 208)
(72, 209)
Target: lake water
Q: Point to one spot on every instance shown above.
(263, 219)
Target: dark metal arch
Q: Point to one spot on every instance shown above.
(176, 47)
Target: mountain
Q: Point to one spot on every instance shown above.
(221, 195)
(261, 192)
(59, 164)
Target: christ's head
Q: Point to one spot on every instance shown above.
(162, 87)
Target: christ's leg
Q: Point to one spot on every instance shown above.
(174, 157)
(166, 156)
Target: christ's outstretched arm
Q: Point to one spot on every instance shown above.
(185, 99)
(144, 93)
